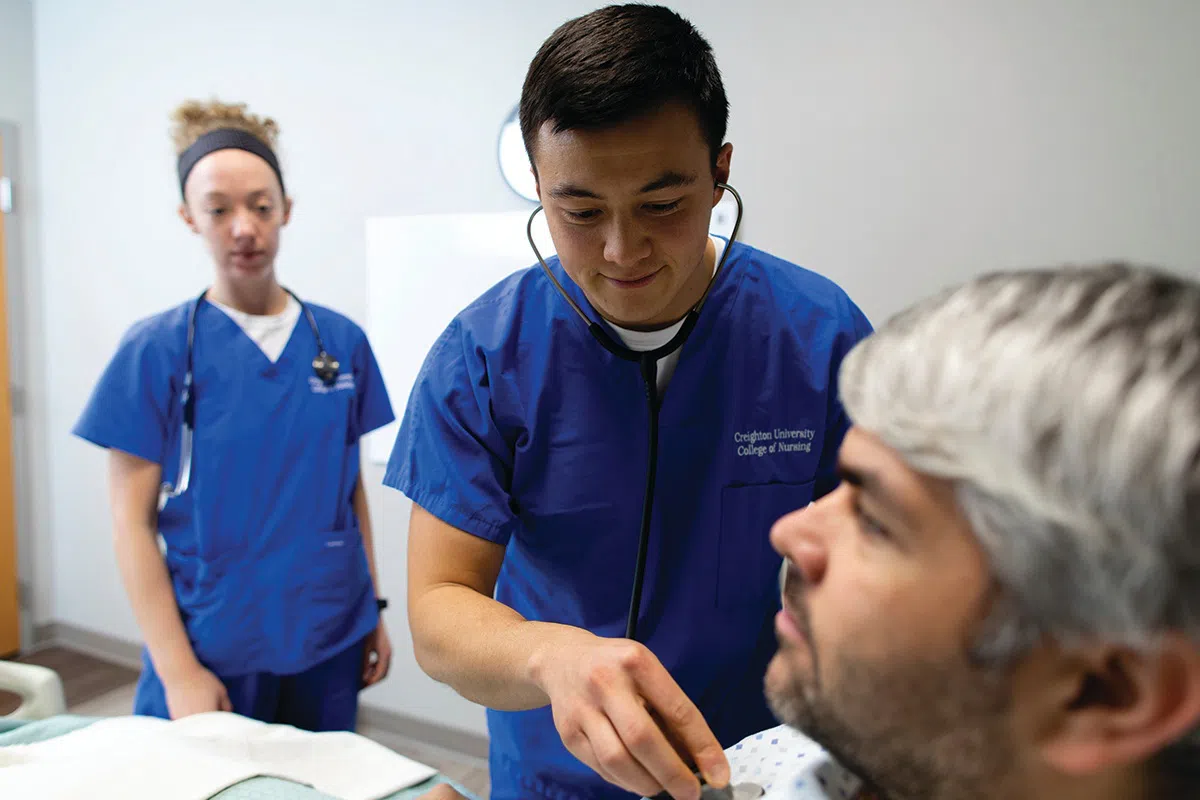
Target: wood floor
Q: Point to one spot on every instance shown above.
(84, 678)
(98, 688)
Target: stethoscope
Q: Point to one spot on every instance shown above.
(325, 367)
(648, 362)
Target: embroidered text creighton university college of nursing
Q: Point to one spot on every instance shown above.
(774, 442)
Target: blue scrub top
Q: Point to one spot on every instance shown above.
(263, 549)
(522, 430)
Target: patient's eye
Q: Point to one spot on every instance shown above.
(869, 525)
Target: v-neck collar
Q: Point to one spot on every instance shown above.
(722, 298)
(727, 282)
(238, 334)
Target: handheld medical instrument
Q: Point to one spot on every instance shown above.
(732, 791)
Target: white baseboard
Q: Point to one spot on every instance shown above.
(457, 741)
(108, 648)
(129, 654)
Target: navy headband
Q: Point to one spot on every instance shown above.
(226, 139)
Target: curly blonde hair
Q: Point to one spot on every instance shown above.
(193, 119)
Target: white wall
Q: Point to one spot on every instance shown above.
(892, 146)
(25, 307)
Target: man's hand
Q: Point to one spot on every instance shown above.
(196, 691)
(377, 656)
(615, 707)
(619, 711)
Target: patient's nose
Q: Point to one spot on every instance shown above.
(799, 539)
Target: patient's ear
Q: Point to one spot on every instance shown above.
(1107, 707)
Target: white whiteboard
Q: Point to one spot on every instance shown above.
(423, 270)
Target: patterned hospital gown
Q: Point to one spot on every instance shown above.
(790, 766)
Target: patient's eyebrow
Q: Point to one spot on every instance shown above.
(873, 484)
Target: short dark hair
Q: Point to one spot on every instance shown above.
(619, 63)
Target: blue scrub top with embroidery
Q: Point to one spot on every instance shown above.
(523, 431)
(263, 549)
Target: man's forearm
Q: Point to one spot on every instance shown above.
(152, 597)
(484, 650)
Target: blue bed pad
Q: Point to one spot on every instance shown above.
(14, 733)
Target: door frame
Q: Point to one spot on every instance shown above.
(17, 296)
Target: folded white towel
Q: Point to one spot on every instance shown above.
(197, 757)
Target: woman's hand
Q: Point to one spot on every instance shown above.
(196, 691)
(377, 656)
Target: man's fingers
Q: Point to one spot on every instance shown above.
(609, 756)
(578, 745)
(647, 743)
(683, 722)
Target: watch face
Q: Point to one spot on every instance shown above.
(514, 161)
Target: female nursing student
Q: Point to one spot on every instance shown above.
(262, 598)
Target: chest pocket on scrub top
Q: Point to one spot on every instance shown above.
(747, 565)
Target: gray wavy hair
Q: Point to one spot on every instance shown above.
(1064, 404)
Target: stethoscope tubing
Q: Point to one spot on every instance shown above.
(321, 363)
(648, 362)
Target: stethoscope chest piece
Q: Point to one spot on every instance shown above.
(734, 791)
(326, 368)
(648, 362)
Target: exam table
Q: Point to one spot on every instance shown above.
(42, 716)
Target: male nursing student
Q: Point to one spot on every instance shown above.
(264, 601)
(524, 443)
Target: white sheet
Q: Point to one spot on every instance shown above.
(142, 758)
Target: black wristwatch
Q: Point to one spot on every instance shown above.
(382, 603)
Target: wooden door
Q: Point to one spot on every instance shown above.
(10, 612)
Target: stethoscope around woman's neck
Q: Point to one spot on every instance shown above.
(648, 361)
(325, 367)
